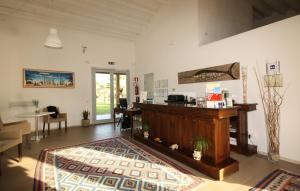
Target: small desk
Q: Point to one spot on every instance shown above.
(130, 112)
(36, 116)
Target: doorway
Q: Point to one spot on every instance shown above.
(108, 87)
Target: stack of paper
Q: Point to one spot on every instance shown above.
(233, 141)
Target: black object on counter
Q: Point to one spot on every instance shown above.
(137, 99)
(175, 99)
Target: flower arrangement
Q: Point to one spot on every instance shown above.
(35, 102)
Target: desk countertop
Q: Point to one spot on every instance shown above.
(185, 106)
(187, 109)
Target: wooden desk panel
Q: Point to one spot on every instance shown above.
(182, 124)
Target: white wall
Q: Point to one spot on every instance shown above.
(171, 45)
(221, 19)
(22, 47)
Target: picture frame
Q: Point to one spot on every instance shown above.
(36, 78)
(273, 68)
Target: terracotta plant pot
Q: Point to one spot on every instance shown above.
(85, 122)
(146, 134)
(197, 155)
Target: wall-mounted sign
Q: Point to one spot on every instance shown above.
(47, 79)
(216, 73)
(273, 77)
(273, 68)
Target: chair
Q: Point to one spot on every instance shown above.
(54, 118)
(123, 106)
(9, 139)
(24, 126)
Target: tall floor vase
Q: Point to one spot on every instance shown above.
(272, 99)
(273, 127)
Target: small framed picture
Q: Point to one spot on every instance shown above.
(273, 68)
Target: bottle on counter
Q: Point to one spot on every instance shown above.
(201, 102)
(185, 99)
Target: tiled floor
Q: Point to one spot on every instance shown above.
(19, 176)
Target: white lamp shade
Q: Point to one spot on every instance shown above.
(53, 40)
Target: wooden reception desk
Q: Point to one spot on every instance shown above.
(181, 124)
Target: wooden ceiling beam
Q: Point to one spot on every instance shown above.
(262, 7)
(257, 14)
(153, 4)
(55, 16)
(57, 12)
(83, 9)
(294, 4)
(161, 1)
(125, 18)
(86, 9)
(278, 5)
(69, 25)
(138, 6)
(85, 13)
(116, 9)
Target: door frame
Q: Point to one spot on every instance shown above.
(111, 72)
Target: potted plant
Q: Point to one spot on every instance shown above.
(85, 120)
(146, 128)
(200, 147)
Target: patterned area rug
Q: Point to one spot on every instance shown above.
(110, 164)
(279, 180)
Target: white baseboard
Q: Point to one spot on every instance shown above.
(281, 158)
(290, 160)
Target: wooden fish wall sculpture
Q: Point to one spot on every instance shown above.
(216, 73)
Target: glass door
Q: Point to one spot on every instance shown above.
(120, 87)
(109, 86)
(103, 96)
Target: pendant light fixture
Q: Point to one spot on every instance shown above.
(52, 40)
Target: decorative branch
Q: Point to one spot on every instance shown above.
(244, 79)
(272, 99)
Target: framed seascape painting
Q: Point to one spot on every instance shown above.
(47, 79)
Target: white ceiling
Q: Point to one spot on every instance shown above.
(124, 19)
